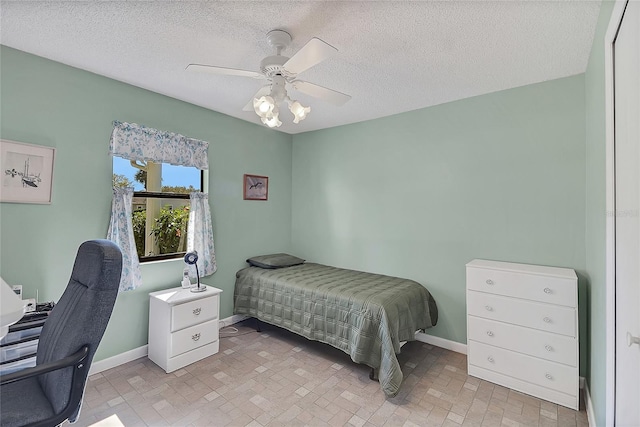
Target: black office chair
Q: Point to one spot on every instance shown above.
(51, 392)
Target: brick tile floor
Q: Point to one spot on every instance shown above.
(276, 378)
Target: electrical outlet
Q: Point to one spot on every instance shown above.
(30, 305)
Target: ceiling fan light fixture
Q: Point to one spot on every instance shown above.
(282, 71)
(299, 111)
(264, 106)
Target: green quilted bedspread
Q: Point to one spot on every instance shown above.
(363, 314)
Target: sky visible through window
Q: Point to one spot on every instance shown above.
(175, 176)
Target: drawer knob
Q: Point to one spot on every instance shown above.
(195, 337)
(547, 290)
(197, 311)
(548, 376)
(490, 333)
(488, 308)
(548, 347)
(489, 282)
(547, 320)
(490, 359)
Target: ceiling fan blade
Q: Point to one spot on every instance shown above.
(225, 71)
(329, 95)
(264, 91)
(312, 53)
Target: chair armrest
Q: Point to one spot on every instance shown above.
(66, 362)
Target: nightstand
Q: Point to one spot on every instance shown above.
(183, 326)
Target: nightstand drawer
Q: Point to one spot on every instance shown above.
(194, 312)
(548, 289)
(546, 345)
(193, 337)
(545, 317)
(533, 370)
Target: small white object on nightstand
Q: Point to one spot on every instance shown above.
(183, 326)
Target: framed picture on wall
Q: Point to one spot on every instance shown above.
(256, 187)
(27, 172)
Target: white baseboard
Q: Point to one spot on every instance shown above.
(118, 359)
(136, 353)
(228, 321)
(591, 416)
(442, 342)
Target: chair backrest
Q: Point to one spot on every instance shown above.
(81, 315)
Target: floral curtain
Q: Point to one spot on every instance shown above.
(121, 233)
(136, 142)
(200, 235)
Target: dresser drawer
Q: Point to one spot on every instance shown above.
(548, 289)
(193, 337)
(549, 346)
(545, 317)
(194, 312)
(526, 368)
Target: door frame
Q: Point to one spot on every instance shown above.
(610, 266)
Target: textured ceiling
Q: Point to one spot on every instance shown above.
(394, 56)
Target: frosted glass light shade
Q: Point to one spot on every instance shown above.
(299, 111)
(263, 106)
(272, 122)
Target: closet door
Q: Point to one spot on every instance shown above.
(626, 50)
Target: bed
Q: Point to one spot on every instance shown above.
(363, 314)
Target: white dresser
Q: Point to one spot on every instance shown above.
(183, 326)
(522, 328)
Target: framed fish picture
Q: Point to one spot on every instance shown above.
(256, 187)
(26, 174)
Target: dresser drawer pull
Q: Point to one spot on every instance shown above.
(548, 376)
(197, 311)
(547, 320)
(548, 348)
(488, 308)
(547, 290)
(195, 337)
(490, 333)
(490, 359)
(489, 282)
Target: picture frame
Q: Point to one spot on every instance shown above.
(26, 172)
(256, 187)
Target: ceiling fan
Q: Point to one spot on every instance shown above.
(281, 72)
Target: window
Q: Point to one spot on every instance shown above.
(160, 205)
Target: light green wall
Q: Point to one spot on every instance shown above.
(420, 194)
(47, 103)
(595, 214)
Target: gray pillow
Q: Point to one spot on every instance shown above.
(274, 261)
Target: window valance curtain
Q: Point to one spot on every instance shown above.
(136, 142)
